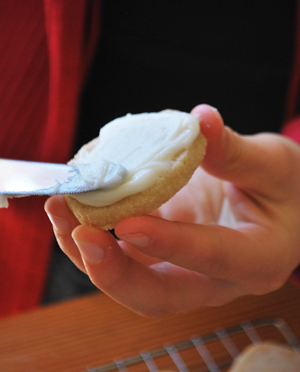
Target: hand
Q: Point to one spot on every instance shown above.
(179, 258)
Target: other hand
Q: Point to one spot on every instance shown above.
(179, 258)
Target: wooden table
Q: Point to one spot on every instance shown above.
(90, 331)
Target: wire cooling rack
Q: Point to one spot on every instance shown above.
(213, 352)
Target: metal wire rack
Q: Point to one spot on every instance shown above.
(208, 348)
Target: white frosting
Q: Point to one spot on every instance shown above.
(99, 174)
(144, 144)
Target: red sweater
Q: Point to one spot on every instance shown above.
(44, 56)
(43, 60)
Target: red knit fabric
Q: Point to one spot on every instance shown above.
(294, 86)
(292, 129)
(43, 60)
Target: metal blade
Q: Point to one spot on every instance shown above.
(19, 177)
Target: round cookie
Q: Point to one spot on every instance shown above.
(266, 357)
(146, 201)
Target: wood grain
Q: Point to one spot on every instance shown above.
(93, 330)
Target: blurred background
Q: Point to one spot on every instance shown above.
(154, 55)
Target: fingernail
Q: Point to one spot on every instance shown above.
(214, 108)
(138, 240)
(92, 253)
(62, 225)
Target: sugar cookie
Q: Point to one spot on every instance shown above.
(267, 357)
(160, 152)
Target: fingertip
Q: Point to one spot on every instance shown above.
(93, 235)
(134, 225)
(126, 223)
(89, 244)
(203, 107)
(81, 231)
(211, 122)
(54, 203)
(217, 136)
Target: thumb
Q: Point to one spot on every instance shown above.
(246, 161)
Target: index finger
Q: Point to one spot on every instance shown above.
(242, 256)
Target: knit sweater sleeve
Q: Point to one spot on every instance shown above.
(292, 130)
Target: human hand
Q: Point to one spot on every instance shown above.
(179, 258)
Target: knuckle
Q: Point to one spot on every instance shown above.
(213, 258)
(167, 249)
(62, 239)
(235, 157)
